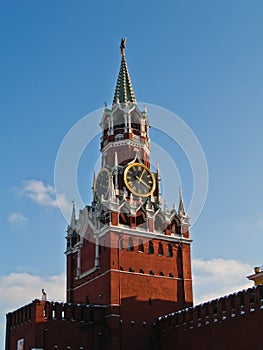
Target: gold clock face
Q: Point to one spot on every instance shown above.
(139, 180)
(102, 183)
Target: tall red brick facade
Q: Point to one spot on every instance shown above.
(128, 258)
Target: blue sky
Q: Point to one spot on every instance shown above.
(59, 61)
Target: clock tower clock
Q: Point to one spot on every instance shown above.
(125, 251)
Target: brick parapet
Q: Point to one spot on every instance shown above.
(44, 311)
(232, 306)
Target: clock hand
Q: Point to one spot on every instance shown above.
(142, 174)
(143, 182)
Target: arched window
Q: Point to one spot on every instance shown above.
(135, 121)
(131, 269)
(141, 271)
(150, 248)
(173, 228)
(130, 244)
(124, 217)
(74, 239)
(140, 218)
(158, 223)
(119, 121)
(160, 249)
(170, 274)
(141, 246)
(161, 273)
(151, 272)
(170, 251)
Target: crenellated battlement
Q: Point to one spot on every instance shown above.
(232, 306)
(20, 316)
(43, 311)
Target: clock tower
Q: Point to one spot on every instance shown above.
(124, 251)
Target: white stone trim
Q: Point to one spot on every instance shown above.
(150, 235)
(113, 315)
(88, 272)
(128, 272)
(125, 142)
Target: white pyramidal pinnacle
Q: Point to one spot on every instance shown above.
(158, 170)
(93, 185)
(116, 159)
(73, 215)
(124, 193)
(181, 208)
(166, 209)
(116, 173)
(131, 200)
(94, 177)
(148, 205)
(112, 191)
(159, 184)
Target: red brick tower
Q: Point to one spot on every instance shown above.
(124, 251)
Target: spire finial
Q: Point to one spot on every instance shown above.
(122, 46)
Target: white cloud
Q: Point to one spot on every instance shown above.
(18, 289)
(42, 194)
(17, 218)
(218, 277)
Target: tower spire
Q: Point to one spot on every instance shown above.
(124, 90)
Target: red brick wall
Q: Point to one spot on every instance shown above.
(233, 322)
(75, 326)
(126, 154)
